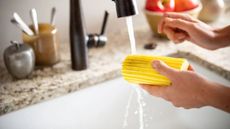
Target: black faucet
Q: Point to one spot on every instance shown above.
(79, 40)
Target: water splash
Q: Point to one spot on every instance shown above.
(141, 107)
(125, 124)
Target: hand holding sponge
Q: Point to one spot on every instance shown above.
(138, 69)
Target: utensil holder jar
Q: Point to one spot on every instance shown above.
(45, 45)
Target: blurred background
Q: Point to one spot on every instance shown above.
(93, 12)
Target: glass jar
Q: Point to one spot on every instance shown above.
(45, 45)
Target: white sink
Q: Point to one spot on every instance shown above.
(103, 107)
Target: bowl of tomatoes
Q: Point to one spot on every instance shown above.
(155, 9)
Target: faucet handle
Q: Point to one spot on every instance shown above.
(98, 40)
(106, 15)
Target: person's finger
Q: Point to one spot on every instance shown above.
(161, 25)
(178, 41)
(180, 37)
(164, 69)
(158, 91)
(180, 24)
(154, 90)
(175, 35)
(169, 33)
(175, 15)
(190, 68)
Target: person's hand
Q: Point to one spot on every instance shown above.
(189, 90)
(186, 89)
(180, 27)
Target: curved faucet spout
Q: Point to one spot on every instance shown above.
(126, 8)
(78, 37)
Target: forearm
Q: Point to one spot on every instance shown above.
(217, 96)
(222, 37)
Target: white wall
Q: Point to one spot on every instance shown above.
(93, 11)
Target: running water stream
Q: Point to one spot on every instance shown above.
(140, 101)
(129, 23)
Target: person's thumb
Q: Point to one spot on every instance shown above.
(163, 69)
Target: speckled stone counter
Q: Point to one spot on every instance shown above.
(218, 60)
(51, 82)
(104, 64)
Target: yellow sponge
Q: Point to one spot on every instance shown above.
(138, 69)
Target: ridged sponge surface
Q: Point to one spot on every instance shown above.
(138, 69)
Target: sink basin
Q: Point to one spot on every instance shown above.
(103, 106)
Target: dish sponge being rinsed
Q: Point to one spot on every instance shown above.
(138, 69)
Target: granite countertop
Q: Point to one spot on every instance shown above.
(104, 64)
(51, 82)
